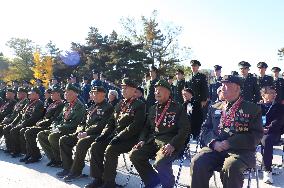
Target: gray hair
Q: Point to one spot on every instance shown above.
(113, 92)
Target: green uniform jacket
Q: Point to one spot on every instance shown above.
(250, 89)
(7, 108)
(243, 135)
(97, 118)
(51, 114)
(173, 129)
(31, 113)
(127, 125)
(16, 112)
(178, 92)
(76, 116)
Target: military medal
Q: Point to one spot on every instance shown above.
(159, 119)
(227, 118)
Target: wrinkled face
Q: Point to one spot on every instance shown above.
(21, 95)
(194, 68)
(55, 96)
(70, 95)
(186, 96)
(111, 97)
(261, 70)
(269, 95)
(10, 95)
(128, 92)
(97, 97)
(229, 90)
(244, 71)
(162, 94)
(33, 96)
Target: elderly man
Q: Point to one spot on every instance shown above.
(273, 122)
(230, 134)
(72, 115)
(118, 137)
(163, 137)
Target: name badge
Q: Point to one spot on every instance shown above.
(217, 112)
(263, 120)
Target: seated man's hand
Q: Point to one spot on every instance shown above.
(218, 146)
(55, 130)
(168, 149)
(139, 145)
(225, 144)
(82, 135)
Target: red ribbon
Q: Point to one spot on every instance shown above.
(228, 117)
(159, 119)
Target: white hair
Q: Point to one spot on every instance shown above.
(113, 92)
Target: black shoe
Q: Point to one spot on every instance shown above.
(56, 164)
(72, 176)
(33, 160)
(62, 173)
(15, 155)
(23, 160)
(95, 184)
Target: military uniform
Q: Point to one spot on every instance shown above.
(5, 110)
(173, 128)
(198, 83)
(32, 113)
(52, 113)
(250, 90)
(150, 90)
(213, 95)
(118, 137)
(239, 123)
(278, 84)
(11, 120)
(86, 88)
(72, 115)
(264, 80)
(97, 118)
(180, 85)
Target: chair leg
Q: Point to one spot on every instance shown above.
(282, 155)
(256, 178)
(249, 178)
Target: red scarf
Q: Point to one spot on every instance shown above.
(228, 117)
(68, 110)
(158, 119)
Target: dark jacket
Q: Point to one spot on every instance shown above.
(198, 83)
(274, 114)
(243, 135)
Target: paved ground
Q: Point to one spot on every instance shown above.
(16, 174)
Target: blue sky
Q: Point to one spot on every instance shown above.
(218, 31)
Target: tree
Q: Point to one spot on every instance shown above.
(4, 65)
(42, 68)
(20, 66)
(160, 44)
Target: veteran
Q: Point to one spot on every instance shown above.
(119, 136)
(52, 112)
(163, 137)
(230, 135)
(97, 117)
(72, 115)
